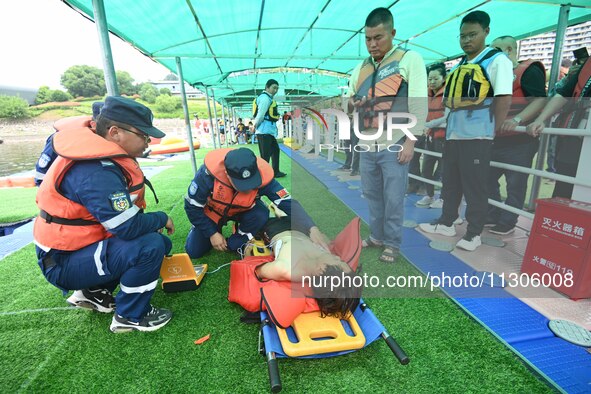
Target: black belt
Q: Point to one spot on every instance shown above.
(48, 262)
(69, 222)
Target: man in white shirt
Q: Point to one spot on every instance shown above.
(470, 133)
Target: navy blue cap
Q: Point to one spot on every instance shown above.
(241, 167)
(96, 109)
(124, 110)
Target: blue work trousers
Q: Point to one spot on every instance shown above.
(384, 181)
(133, 264)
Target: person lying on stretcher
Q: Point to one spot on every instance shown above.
(299, 261)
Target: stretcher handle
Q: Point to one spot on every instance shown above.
(396, 349)
(274, 378)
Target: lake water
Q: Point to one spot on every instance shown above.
(18, 155)
(24, 141)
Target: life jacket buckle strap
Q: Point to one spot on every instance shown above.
(48, 218)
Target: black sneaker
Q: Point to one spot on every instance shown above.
(100, 300)
(280, 174)
(344, 168)
(502, 229)
(154, 320)
(354, 173)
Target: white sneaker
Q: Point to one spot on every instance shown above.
(437, 204)
(437, 228)
(469, 244)
(458, 221)
(426, 200)
(100, 300)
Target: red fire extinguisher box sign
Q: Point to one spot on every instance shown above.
(559, 245)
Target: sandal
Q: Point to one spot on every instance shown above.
(370, 243)
(389, 255)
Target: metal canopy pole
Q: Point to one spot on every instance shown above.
(186, 111)
(229, 139)
(100, 19)
(225, 125)
(210, 120)
(228, 125)
(215, 116)
(234, 122)
(556, 60)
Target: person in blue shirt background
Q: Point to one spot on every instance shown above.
(266, 116)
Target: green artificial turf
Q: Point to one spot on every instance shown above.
(70, 350)
(17, 204)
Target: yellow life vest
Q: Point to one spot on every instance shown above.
(272, 113)
(468, 85)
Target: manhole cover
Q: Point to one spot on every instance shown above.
(409, 224)
(443, 246)
(492, 241)
(571, 332)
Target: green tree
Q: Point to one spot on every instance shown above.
(171, 77)
(125, 83)
(165, 92)
(59, 96)
(13, 107)
(43, 95)
(167, 103)
(148, 92)
(86, 81)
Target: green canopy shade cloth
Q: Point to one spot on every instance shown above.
(307, 45)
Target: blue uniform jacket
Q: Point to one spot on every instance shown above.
(47, 157)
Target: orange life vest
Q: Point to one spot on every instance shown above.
(519, 100)
(381, 86)
(283, 300)
(72, 122)
(436, 110)
(64, 224)
(225, 202)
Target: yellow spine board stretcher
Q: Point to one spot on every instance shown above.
(318, 335)
(179, 274)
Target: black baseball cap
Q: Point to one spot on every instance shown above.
(124, 110)
(241, 166)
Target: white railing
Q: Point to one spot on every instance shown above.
(329, 137)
